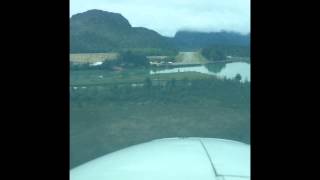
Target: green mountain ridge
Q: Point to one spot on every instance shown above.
(97, 31)
(101, 31)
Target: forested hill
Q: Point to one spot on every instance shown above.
(195, 40)
(102, 31)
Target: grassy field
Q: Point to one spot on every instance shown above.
(105, 117)
(92, 57)
(97, 130)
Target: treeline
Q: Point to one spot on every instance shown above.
(227, 92)
(171, 52)
(192, 40)
(128, 59)
(221, 52)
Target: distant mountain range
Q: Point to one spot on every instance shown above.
(195, 40)
(102, 31)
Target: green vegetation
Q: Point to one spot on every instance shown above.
(223, 91)
(97, 31)
(152, 51)
(238, 77)
(214, 54)
(221, 53)
(217, 67)
(129, 59)
(192, 40)
(106, 118)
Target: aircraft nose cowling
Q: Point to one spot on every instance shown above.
(171, 159)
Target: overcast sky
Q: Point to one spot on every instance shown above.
(168, 16)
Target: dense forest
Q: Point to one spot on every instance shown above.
(222, 52)
(190, 40)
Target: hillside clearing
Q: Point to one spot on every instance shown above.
(190, 58)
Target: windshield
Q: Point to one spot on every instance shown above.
(141, 71)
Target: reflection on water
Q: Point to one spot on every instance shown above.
(216, 68)
(224, 70)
